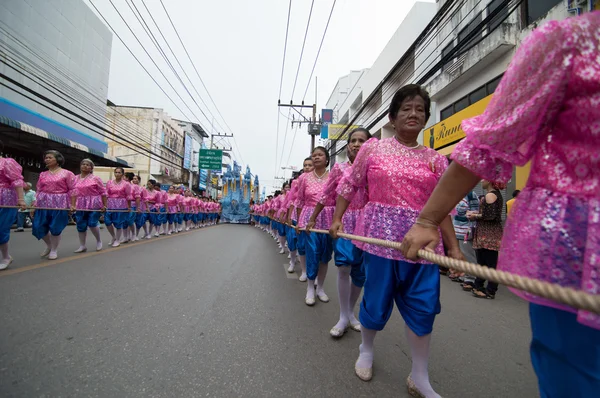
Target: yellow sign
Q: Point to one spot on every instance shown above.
(449, 130)
(336, 131)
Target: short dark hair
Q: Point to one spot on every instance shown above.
(322, 148)
(60, 159)
(360, 130)
(129, 175)
(120, 168)
(308, 158)
(410, 91)
(153, 182)
(516, 193)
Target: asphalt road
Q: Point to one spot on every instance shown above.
(212, 312)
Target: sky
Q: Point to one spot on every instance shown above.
(237, 47)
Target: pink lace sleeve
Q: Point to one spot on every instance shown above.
(71, 183)
(300, 197)
(356, 176)
(13, 172)
(101, 187)
(128, 192)
(527, 99)
(329, 192)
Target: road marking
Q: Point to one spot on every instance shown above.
(48, 263)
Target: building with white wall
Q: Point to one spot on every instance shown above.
(159, 137)
(55, 63)
(476, 44)
(368, 87)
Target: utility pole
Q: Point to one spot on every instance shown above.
(314, 126)
(208, 175)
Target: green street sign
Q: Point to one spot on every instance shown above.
(211, 159)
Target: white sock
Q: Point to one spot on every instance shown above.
(54, 242)
(293, 257)
(365, 357)
(344, 296)
(302, 264)
(4, 251)
(321, 278)
(354, 295)
(310, 289)
(82, 236)
(419, 348)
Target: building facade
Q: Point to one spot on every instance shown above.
(55, 64)
(194, 137)
(369, 93)
(476, 46)
(160, 137)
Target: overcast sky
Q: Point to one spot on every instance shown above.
(237, 47)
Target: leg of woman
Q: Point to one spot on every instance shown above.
(418, 299)
(564, 354)
(118, 237)
(96, 232)
(312, 266)
(343, 283)
(357, 277)
(109, 222)
(7, 219)
(59, 221)
(376, 308)
(41, 228)
(81, 219)
(325, 253)
(301, 244)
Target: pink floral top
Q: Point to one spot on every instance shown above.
(398, 181)
(161, 199)
(119, 194)
(11, 177)
(310, 190)
(89, 191)
(330, 195)
(291, 198)
(547, 110)
(54, 190)
(172, 203)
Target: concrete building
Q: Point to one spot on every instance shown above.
(367, 95)
(161, 138)
(57, 62)
(194, 139)
(484, 37)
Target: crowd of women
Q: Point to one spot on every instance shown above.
(544, 110)
(125, 207)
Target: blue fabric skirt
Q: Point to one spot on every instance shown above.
(119, 220)
(564, 353)
(86, 219)
(52, 221)
(414, 287)
(319, 249)
(348, 255)
(7, 218)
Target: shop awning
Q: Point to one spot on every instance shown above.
(28, 141)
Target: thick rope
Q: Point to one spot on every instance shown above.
(564, 295)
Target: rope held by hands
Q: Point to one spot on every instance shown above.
(564, 295)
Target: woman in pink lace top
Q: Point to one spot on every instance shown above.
(119, 196)
(173, 209)
(11, 194)
(319, 247)
(54, 191)
(348, 258)
(399, 175)
(297, 240)
(141, 216)
(546, 110)
(89, 194)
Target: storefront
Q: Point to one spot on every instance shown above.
(445, 135)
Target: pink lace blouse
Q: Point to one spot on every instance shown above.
(89, 191)
(11, 177)
(398, 181)
(547, 110)
(119, 194)
(330, 194)
(310, 190)
(55, 190)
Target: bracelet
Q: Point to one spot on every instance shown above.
(426, 224)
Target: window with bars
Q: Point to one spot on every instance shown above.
(471, 98)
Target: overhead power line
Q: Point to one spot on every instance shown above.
(281, 82)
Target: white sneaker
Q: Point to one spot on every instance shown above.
(5, 264)
(82, 249)
(45, 252)
(291, 268)
(52, 256)
(98, 246)
(282, 251)
(302, 278)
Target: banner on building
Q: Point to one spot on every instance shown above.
(449, 130)
(187, 152)
(339, 131)
(326, 120)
